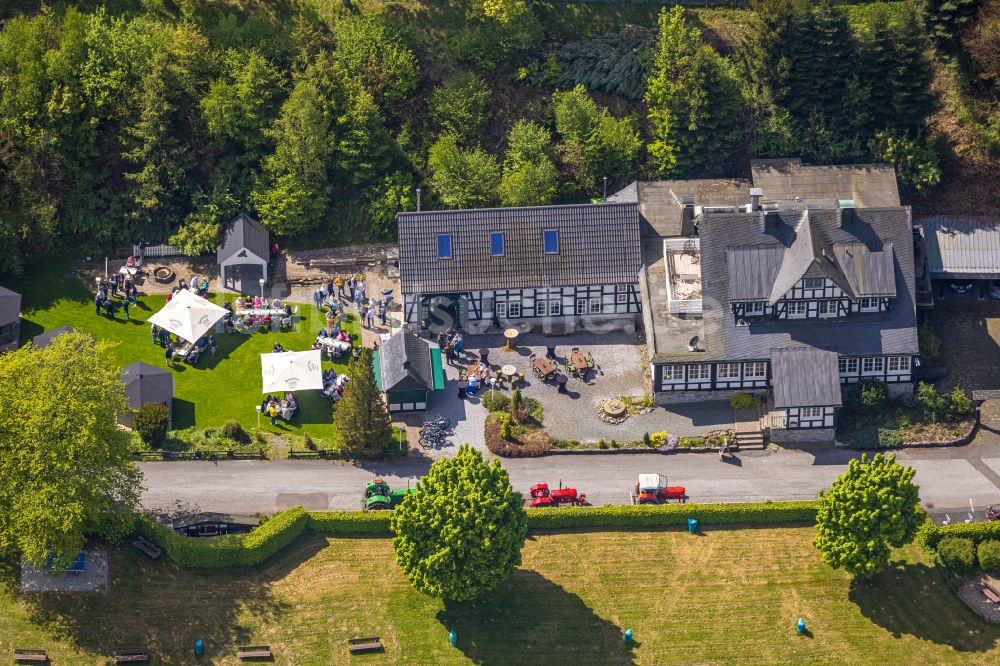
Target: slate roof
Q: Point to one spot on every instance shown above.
(405, 363)
(802, 244)
(145, 383)
(42, 340)
(805, 377)
(245, 232)
(787, 179)
(892, 332)
(10, 306)
(661, 202)
(598, 244)
(965, 247)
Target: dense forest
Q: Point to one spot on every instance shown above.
(160, 118)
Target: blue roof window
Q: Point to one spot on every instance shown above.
(550, 241)
(444, 246)
(496, 244)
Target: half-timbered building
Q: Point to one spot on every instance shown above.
(543, 266)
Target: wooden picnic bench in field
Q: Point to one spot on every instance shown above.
(30, 655)
(989, 593)
(366, 644)
(148, 547)
(131, 656)
(251, 652)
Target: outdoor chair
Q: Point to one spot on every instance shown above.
(286, 322)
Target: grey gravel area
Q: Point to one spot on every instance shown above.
(92, 579)
(574, 415)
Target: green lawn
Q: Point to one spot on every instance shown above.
(723, 597)
(218, 389)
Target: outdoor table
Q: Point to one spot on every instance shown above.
(579, 361)
(544, 366)
(184, 349)
(511, 335)
(261, 312)
(473, 370)
(129, 270)
(509, 370)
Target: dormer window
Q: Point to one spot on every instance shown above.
(868, 304)
(550, 241)
(812, 283)
(755, 308)
(496, 244)
(444, 246)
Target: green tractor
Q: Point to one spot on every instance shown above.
(378, 496)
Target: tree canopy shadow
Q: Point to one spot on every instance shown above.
(914, 599)
(159, 606)
(530, 619)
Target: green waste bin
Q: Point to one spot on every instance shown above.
(692, 525)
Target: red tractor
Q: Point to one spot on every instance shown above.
(542, 496)
(653, 489)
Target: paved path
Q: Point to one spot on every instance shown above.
(949, 478)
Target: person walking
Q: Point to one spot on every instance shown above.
(212, 344)
(318, 298)
(363, 287)
(155, 334)
(371, 316)
(97, 303)
(382, 311)
(272, 411)
(134, 293)
(339, 283)
(125, 308)
(168, 354)
(362, 315)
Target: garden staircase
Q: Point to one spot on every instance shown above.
(746, 424)
(750, 439)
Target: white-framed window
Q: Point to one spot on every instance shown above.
(797, 309)
(755, 370)
(581, 306)
(848, 366)
(729, 371)
(541, 308)
(673, 373)
(595, 306)
(810, 412)
(754, 308)
(501, 310)
(513, 310)
(555, 308)
(699, 372)
(812, 283)
(872, 364)
(899, 363)
(827, 308)
(868, 304)
(621, 297)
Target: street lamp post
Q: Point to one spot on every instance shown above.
(493, 386)
(258, 417)
(261, 281)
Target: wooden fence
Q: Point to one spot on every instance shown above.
(157, 251)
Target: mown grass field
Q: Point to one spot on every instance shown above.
(723, 597)
(218, 389)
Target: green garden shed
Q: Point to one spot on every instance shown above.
(407, 369)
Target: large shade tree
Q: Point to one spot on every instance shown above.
(462, 532)
(871, 508)
(66, 468)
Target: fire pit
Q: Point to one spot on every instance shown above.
(613, 410)
(163, 275)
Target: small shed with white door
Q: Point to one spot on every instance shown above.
(243, 255)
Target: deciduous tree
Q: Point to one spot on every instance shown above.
(462, 178)
(462, 532)
(871, 508)
(66, 468)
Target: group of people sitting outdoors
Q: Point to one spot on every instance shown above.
(234, 322)
(162, 337)
(276, 407)
(334, 342)
(333, 384)
(258, 303)
(199, 285)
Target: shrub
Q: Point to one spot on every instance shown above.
(234, 431)
(744, 401)
(672, 515)
(989, 555)
(308, 442)
(614, 444)
(517, 407)
(929, 343)
(929, 535)
(866, 438)
(152, 422)
(525, 445)
(889, 437)
(873, 394)
(932, 404)
(957, 554)
(601, 444)
(495, 402)
(958, 403)
(647, 440)
(505, 426)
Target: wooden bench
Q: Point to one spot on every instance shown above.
(131, 656)
(251, 652)
(148, 547)
(989, 593)
(26, 655)
(366, 644)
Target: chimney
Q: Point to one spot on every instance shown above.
(418, 199)
(407, 365)
(755, 194)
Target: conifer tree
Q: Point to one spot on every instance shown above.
(361, 420)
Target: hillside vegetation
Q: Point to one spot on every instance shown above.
(160, 118)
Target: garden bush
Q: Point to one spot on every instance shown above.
(929, 535)
(959, 403)
(989, 555)
(672, 515)
(744, 401)
(350, 522)
(234, 431)
(527, 444)
(866, 438)
(152, 422)
(958, 554)
(495, 402)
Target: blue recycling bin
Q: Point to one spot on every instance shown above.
(692, 525)
(628, 636)
(199, 647)
(452, 638)
(801, 626)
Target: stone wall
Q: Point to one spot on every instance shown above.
(802, 436)
(684, 397)
(900, 389)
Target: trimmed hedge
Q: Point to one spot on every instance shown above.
(958, 554)
(929, 534)
(248, 550)
(989, 555)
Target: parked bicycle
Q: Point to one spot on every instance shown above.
(435, 432)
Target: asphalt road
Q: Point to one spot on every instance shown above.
(949, 479)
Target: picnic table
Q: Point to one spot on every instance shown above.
(365, 644)
(24, 655)
(261, 312)
(131, 656)
(473, 371)
(131, 271)
(333, 345)
(251, 652)
(579, 361)
(544, 366)
(184, 350)
(509, 370)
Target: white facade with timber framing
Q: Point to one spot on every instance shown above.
(541, 266)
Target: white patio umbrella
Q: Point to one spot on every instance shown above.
(188, 316)
(291, 371)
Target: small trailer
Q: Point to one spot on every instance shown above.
(653, 489)
(541, 496)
